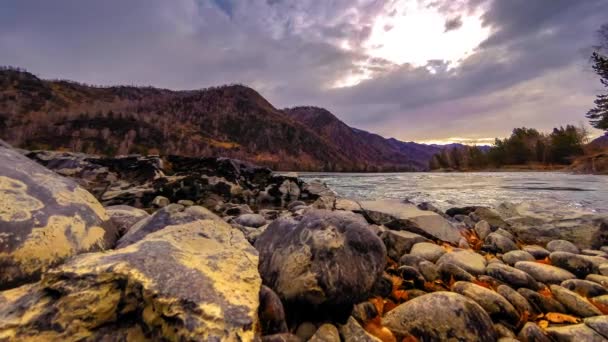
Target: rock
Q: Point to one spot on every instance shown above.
(537, 251)
(285, 337)
(428, 251)
(316, 189)
(324, 202)
(173, 214)
(494, 304)
(410, 260)
(600, 279)
(497, 243)
(269, 214)
(195, 281)
(271, 312)
(352, 331)
(364, 311)
(294, 204)
(465, 259)
(236, 209)
(601, 299)
(511, 276)
(584, 287)
(326, 333)
(599, 324)
(441, 316)
(541, 303)
(562, 246)
(160, 202)
(186, 203)
(400, 242)
(410, 273)
(514, 256)
(577, 264)
(518, 301)
(450, 271)
(44, 219)
(346, 204)
(503, 332)
(603, 269)
(544, 273)
(463, 243)
(124, 217)
(382, 287)
(483, 229)
(575, 332)
(251, 220)
(306, 330)
(404, 216)
(574, 303)
(289, 190)
(429, 271)
(505, 233)
(532, 333)
(325, 258)
(594, 252)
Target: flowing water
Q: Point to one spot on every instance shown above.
(446, 190)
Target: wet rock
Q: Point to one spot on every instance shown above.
(574, 303)
(251, 220)
(400, 242)
(285, 337)
(518, 301)
(497, 243)
(537, 251)
(600, 279)
(429, 271)
(195, 281)
(450, 271)
(306, 330)
(599, 324)
(173, 214)
(544, 273)
(352, 331)
(328, 257)
(494, 304)
(577, 264)
(326, 333)
(584, 287)
(512, 257)
(441, 316)
(44, 219)
(532, 333)
(511, 276)
(540, 302)
(562, 246)
(124, 216)
(483, 229)
(428, 251)
(160, 202)
(271, 312)
(575, 332)
(404, 216)
(465, 259)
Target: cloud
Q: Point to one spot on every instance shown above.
(453, 24)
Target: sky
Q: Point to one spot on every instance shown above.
(432, 71)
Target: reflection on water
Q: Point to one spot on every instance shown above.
(447, 190)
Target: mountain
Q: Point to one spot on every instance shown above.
(233, 121)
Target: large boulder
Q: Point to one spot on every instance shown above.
(44, 219)
(405, 216)
(192, 282)
(327, 257)
(441, 316)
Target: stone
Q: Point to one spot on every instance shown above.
(160, 202)
(449, 271)
(599, 324)
(347, 204)
(271, 312)
(574, 332)
(405, 216)
(562, 246)
(585, 288)
(236, 209)
(364, 311)
(326, 333)
(306, 330)
(284, 337)
(594, 252)
(250, 220)
(410, 260)
(503, 332)
(574, 302)
(44, 220)
(536, 251)
(289, 190)
(315, 189)
(294, 204)
(600, 279)
(429, 271)
(269, 214)
(531, 332)
(493, 303)
(441, 316)
(399, 243)
(186, 203)
(497, 243)
(483, 229)
(518, 301)
(465, 259)
(544, 273)
(577, 264)
(541, 303)
(194, 281)
(124, 216)
(603, 269)
(328, 257)
(511, 276)
(410, 273)
(512, 257)
(352, 331)
(324, 202)
(428, 251)
(505, 233)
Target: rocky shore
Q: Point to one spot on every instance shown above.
(174, 248)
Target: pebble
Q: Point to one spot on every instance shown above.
(428, 251)
(512, 257)
(537, 251)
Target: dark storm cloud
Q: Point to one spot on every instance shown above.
(291, 52)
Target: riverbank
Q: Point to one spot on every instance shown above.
(148, 248)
